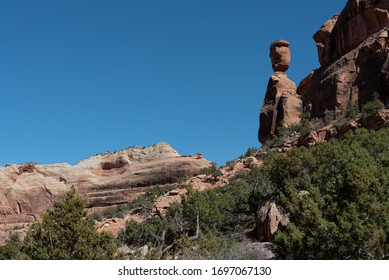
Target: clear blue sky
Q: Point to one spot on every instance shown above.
(80, 77)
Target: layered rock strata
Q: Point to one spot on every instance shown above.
(27, 190)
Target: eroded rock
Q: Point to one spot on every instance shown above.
(270, 218)
(281, 107)
(26, 191)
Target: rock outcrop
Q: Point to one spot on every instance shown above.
(353, 51)
(358, 20)
(323, 40)
(281, 107)
(27, 190)
(270, 218)
(354, 55)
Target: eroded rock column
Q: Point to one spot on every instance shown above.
(282, 106)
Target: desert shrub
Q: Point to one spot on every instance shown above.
(251, 152)
(11, 250)
(96, 217)
(352, 110)
(280, 136)
(145, 202)
(213, 171)
(373, 106)
(66, 234)
(230, 164)
(337, 196)
(340, 121)
(304, 127)
(116, 212)
(209, 246)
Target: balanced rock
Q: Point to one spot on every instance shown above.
(281, 106)
(280, 55)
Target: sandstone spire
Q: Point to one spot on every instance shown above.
(281, 107)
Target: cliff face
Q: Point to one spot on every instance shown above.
(354, 57)
(27, 190)
(353, 51)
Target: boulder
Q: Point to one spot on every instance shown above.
(270, 218)
(280, 55)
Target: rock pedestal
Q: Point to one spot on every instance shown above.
(281, 107)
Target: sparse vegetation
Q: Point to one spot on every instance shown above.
(145, 202)
(213, 171)
(304, 127)
(373, 106)
(251, 152)
(96, 217)
(64, 234)
(117, 212)
(230, 164)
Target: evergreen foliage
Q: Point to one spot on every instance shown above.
(337, 195)
(372, 106)
(11, 249)
(66, 234)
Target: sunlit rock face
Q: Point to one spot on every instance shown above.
(27, 190)
(353, 52)
(281, 107)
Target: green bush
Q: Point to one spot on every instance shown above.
(116, 212)
(230, 164)
(96, 217)
(337, 196)
(145, 202)
(11, 250)
(210, 246)
(304, 127)
(213, 171)
(66, 234)
(251, 152)
(373, 106)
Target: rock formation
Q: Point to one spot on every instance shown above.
(323, 39)
(27, 190)
(354, 56)
(281, 107)
(270, 218)
(353, 51)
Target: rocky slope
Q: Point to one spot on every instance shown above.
(27, 190)
(353, 51)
